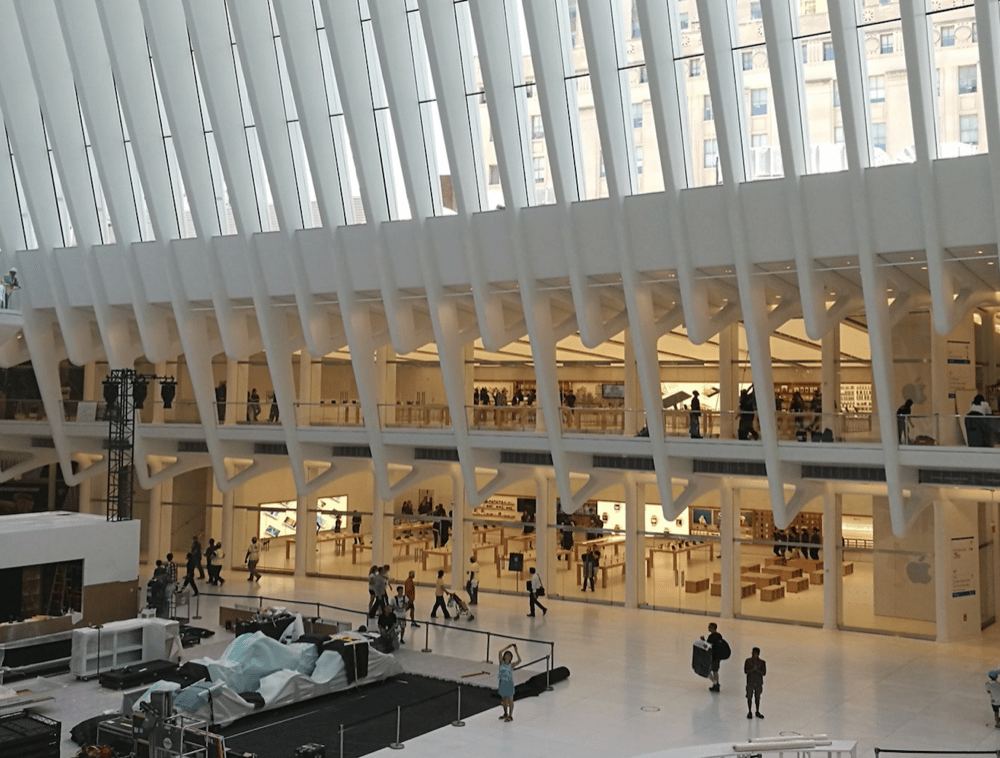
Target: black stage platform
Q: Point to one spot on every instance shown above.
(368, 715)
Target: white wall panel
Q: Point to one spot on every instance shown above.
(895, 216)
(768, 233)
(112, 263)
(830, 224)
(963, 192)
(195, 269)
(596, 240)
(448, 249)
(153, 271)
(649, 232)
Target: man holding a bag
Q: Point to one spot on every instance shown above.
(535, 591)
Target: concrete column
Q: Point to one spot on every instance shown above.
(729, 367)
(957, 610)
(729, 531)
(385, 369)
(545, 514)
(381, 528)
(305, 533)
(635, 506)
(634, 418)
(233, 392)
(946, 429)
(833, 557)
(830, 379)
(167, 518)
(469, 357)
(460, 538)
(226, 529)
(154, 548)
(304, 405)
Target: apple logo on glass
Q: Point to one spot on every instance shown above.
(919, 571)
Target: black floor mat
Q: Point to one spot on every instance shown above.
(367, 713)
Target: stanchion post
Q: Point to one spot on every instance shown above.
(197, 607)
(548, 668)
(427, 631)
(488, 636)
(397, 745)
(341, 741)
(458, 720)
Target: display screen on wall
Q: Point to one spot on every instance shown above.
(279, 519)
(613, 391)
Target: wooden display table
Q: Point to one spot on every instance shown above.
(785, 572)
(696, 585)
(444, 552)
(815, 577)
(339, 540)
(751, 568)
(679, 551)
(614, 562)
(356, 548)
(797, 584)
(806, 564)
(601, 543)
(746, 589)
(761, 579)
(522, 541)
(769, 594)
(483, 532)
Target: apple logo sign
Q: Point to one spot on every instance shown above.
(919, 571)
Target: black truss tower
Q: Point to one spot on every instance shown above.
(120, 411)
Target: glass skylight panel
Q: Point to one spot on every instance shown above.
(479, 117)
(29, 239)
(890, 123)
(959, 100)
(350, 188)
(818, 91)
(701, 146)
(540, 190)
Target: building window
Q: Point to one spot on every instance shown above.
(537, 131)
(529, 91)
(695, 67)
(937, 82)
(758, 102)
(643, 76)
(968, 130)
(636, 29)
(838, 135)
(494, 175)
(760, 140)
(747, 61)
(885, 43)
(808, 7)
(602, 165)
(968, 81)
(707, 107)
(836, 94)
(805, 52)
(711, 153)
(876, 89)
(828, 51)
(638, 159)
(878, 136)
(538, 165)
(755, 10)
(637, 115)
(685, 22)
(948, 35)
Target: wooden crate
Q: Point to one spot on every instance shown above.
(775, 592)
(750, 568)
(775, 561)
(848, 569)
(747, 589)
(797, 584)
(815, 577)
(717, 589)
(697, 585)
(762, 580)
(785, 572)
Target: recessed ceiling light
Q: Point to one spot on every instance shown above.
(923, 268)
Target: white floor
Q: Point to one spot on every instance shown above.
(632, 691)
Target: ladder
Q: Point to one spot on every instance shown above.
(57, 595)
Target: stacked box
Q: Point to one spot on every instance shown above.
(28, 735)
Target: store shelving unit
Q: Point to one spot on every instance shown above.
(121, 643)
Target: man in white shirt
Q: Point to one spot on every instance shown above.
(534, 590)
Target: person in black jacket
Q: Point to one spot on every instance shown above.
(191, 565)
(714, 638)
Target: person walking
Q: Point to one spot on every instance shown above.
(993, 687)
(372, 572)
(472, 584)
(505, 680)
(439, 594)
(215, 568)
(695, 416)
(400, 605)
(410, 590)
(535, 591)
(720, 652)
(190, 566)
(252, 559)
(210, 560)
(904, 421)
(171, 570)
(196, 554)
(755, 668)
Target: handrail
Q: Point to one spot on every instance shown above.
(428, 623)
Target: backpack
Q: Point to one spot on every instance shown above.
(722, 649)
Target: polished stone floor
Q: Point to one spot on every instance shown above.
(632, 691)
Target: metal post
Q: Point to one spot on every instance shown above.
(427, 646)
(488, 637)
(341, 741)
(458, 721)
(197, 607)
(397, 745)
(548, 668)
